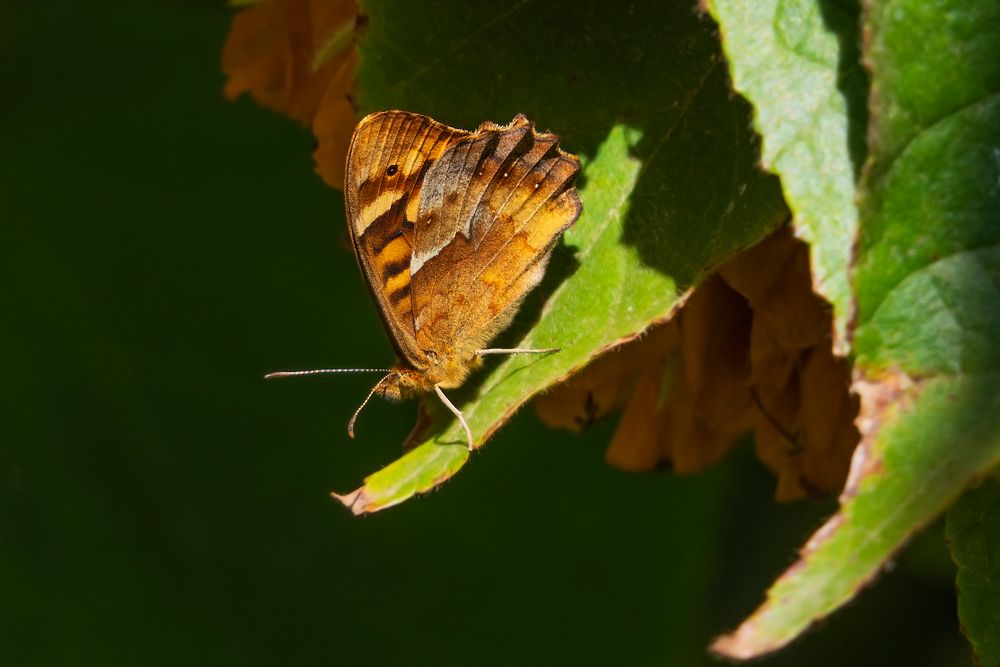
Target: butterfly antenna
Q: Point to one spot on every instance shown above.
(354, 417)
(323, 371)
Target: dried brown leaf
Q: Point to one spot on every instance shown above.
(299, 57)
(607, 383)
(636, 445)
(749, 351)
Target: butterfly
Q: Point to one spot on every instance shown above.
(451, 230)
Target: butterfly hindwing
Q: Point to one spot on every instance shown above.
(490, 209)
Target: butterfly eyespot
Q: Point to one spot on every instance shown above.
(392, 170)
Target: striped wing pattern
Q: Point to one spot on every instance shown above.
(490, 210)
(389, 155)
(453, 228)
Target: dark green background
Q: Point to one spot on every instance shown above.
(161, 503)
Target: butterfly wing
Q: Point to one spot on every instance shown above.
(389, 156)
(491, 208)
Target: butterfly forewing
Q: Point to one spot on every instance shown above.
(389, 155)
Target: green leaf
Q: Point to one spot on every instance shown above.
(974, 539)
(670, 185)
(927, 286)
(797, 62)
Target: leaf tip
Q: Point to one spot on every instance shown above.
(734, 646)
(353, 500)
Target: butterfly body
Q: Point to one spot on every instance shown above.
(452, 229)
(405, 381)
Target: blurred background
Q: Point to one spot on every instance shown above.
(161, 503)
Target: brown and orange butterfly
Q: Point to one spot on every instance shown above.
(452, 229)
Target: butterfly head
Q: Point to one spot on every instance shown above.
(397, 385)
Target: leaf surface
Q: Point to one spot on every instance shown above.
(798, 63)
(927, 285)
(973, 532)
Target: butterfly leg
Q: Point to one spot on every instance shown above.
(516, 350)
(455, 411)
